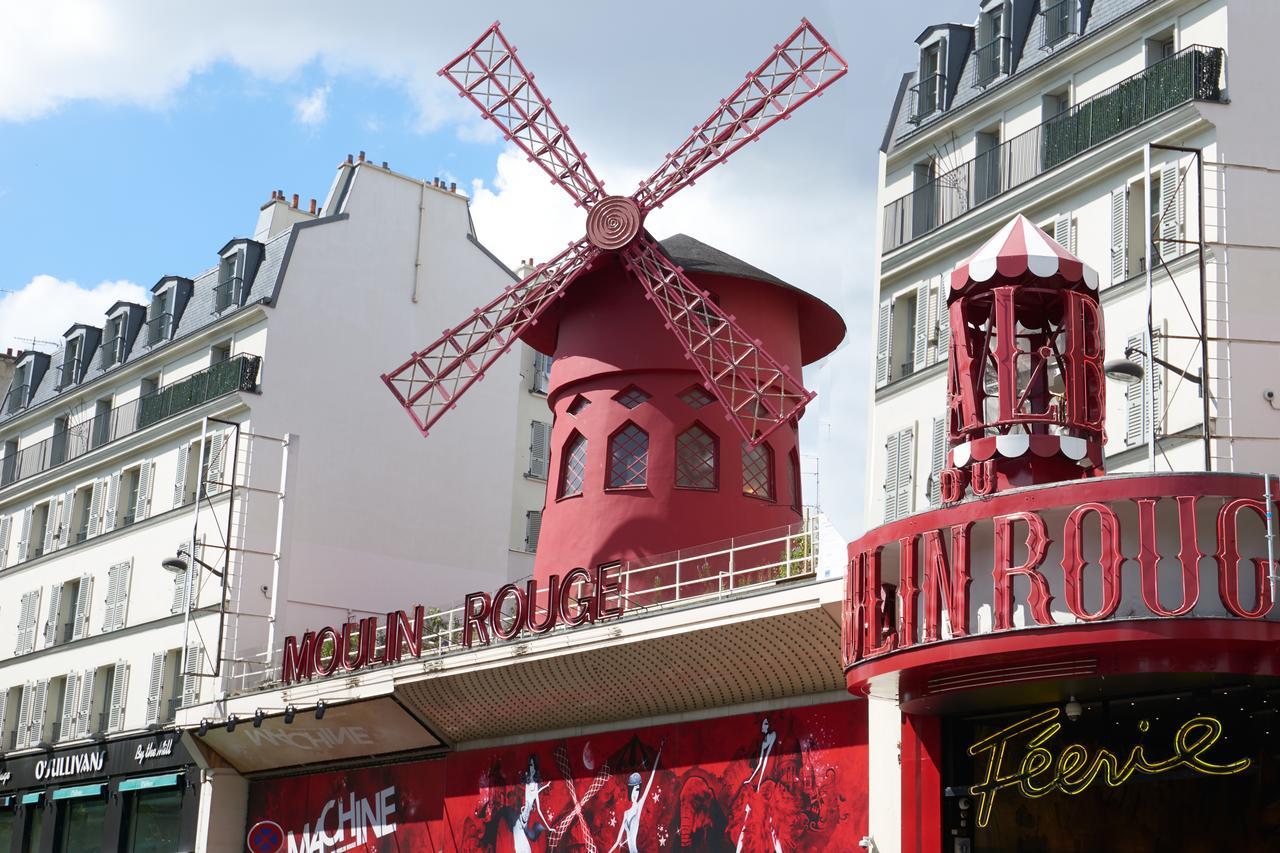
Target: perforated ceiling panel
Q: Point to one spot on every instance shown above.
(790, 655)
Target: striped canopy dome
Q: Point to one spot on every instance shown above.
(1021, 253)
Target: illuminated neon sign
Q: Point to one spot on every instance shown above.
(1072, 771)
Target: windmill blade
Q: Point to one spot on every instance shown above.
(797, 70)
(431, 381)
(491, 76)
(757, 392)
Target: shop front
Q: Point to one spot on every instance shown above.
(137, 794)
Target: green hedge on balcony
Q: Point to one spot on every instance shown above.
(236, 374)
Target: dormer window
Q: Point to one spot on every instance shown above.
(19, 390)
(991, 57)
(1060, 18)
(160, 317)
(113, 340)
(229, 290)
(929, 91)
(69, 372)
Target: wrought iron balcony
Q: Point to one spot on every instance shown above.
(990, 61)
(158, 328)
(926, 98)
(236, 374)
(225, 294)
(1059, 21)
(1192, 74)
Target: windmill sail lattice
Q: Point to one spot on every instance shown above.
(759, 393)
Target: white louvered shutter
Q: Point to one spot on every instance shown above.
(83, 722)
(884, 343)
(155, 685)
(906, 460)
(179, 592)
(893, 448)
(24, 535)
(1133, 426)
(190, 676)
(1119, 234)
(214, 474)
(180, 479)
(1062, 231)
(1171, 212)
(1157, 383)
(28, 613)
(146, 476)
(84, 598)
(95, 507)
(532, 529)
(4, 709)
(39, 705)
(539, 449)
(119, 689)
(51, 620)
(944, 318)
(70, 702)
(113, 499)
(51, 525)
(23, 735)
(117, 596)
(64, 523)
(920, 352)
(6, 526)
(937, 460)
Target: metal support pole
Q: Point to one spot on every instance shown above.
(1149, 375)
(192, 568)
(1272, 575)
(1204, 317)
(275, 561)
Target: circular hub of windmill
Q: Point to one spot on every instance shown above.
(614, 222)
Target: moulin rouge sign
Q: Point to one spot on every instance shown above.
(935, 563)
(581, 597)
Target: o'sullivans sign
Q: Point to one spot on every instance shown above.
(581, 597)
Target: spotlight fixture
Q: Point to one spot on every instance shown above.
(204, 727)
(320, 706)
(288, 715)
(1073, 709)
(258, 716)
(231, 723)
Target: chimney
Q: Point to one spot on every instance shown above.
(361, 156)
(384, 165)
(453, 186)
(312, 209)
(349, 159)
(295, 201)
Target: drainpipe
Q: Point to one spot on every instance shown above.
(417, 239)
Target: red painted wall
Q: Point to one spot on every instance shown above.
(609, 338)
(707, 793)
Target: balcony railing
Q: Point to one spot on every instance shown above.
(1192, 74)
(926, 98)
(1059, 21)
(112, 352)
(16, 399)
(990, 61)
(236, 374)
(225, 294)
(158, 328)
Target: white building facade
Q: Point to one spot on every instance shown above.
(241, 407)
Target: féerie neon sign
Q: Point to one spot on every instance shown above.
(1072, 771)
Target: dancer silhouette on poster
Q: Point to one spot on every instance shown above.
(523, 830)
(630, 827)
(766, 747)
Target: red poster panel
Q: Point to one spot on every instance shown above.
(791, 780)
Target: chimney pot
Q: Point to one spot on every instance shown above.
(349, 159)
(361, 156)
(384, 164)
(312, 210)
(295, 201)
(453, 186)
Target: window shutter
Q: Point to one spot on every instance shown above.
(893, 449)
(70, 697)
(213, 476)
(83, 723)
(190, 676)
(4, 707)
(1062, 230)
(25, 534)
(113, 498)
(39, 704)
(1119, 234)
(95, 507)
(84, 597)
(154, 686)
(1157, 384)
(51, 525)
(28, 613)
(64, 524)
(146, 474)
(119, 688)
(179, 591)
(180, 479)
(117, 596)
(920, 353)
(539, 449)
(1171, 212)
(944, 318)
(1133, 432)
(937, 460)
(51, 620)
(906, 459)
(532, 528)
(541, 370)
(6, 525)
(23, 734)
(884, 343)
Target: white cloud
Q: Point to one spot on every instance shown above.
(313, 109)
(45, 307)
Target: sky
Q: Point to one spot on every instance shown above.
(139, 137)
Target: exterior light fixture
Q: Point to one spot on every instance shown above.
(258, 716)
(320, 706)
(181, 562)
(1122, 370)
(288, 715)
(203, 729)
(1073, 709)
(231, 723)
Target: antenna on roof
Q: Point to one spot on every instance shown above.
(36, 343)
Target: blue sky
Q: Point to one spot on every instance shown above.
(140, 136)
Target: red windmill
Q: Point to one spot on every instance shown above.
(759, 392)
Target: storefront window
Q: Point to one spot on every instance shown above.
(1182, 771)
(7, 823)
(82, 823)
(154, 821)
(33, 824)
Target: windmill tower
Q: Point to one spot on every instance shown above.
(645, 349)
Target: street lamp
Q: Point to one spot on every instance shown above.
(179, 563)
(1125, 370)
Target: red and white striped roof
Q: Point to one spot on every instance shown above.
(1020, 250)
